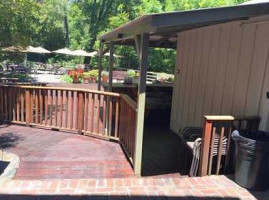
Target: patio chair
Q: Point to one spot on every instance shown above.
(192, 138)
(196, 149)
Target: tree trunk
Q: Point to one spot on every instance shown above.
(66, 27)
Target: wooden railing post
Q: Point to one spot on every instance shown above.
(211, 123)
(206, 138)
(80, 116)
(28, 107)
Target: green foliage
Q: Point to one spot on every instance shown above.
(66, 78)
(91, 73)
(77, 24)
(17, 21)
(131, 73)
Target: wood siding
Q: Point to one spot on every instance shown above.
(222, 70)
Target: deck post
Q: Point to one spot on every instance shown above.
(80, 113)
(206, 138)
(100, 67)
(28, 107)
(110, 82)
(143, 64)
(111, 65)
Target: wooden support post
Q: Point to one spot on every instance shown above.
(206, 138)
(143, 64)
(138, 44)
(211, 123)
(28, 107)
(100, 67)
(111, 65)
(80, 116)
(110, 82)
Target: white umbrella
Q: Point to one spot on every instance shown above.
(94, 53)
(116, 56)
(82, 53)
(39, 50)
(65, 51)
(13, 49)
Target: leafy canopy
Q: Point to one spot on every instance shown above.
(77, 24)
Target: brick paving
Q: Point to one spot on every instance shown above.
(47, 154)
(213, 187)
(57, 165)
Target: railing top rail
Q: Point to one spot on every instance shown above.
(219, 117)
(64, 89)
(130, 101)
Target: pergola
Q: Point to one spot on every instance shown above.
(161, 30)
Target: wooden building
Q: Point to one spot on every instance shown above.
(222, 63)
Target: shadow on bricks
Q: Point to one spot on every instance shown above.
(8, 140)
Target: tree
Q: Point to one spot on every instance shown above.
(17, 22)
(52, 25)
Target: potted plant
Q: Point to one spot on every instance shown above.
(76, 75)
(93, 75)
(132, 77)
(136, 78)
(86, 77)
(104, 76)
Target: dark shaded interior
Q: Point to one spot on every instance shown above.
(161, 147)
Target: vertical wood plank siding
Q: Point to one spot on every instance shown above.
(223, 70)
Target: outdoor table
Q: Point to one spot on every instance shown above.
(9, 80)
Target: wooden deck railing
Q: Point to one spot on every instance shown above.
(216, 134)
(78, 110)
(127, 127)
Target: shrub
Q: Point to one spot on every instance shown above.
(66, 78)
(131, 73)
(74, 74)
(94, 73)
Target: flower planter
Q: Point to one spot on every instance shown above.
(135, 79)
(76, 80)
(86, 80)
(105, 79)
(93, 79)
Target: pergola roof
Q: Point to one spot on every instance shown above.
(163, 27)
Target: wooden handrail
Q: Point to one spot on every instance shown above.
(130, 101)
(64, 89)
(79, 110)
(127, 126)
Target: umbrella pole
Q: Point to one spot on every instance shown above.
(25, 60)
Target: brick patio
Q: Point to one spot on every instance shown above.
(214, 187)
(56, 165)
(49, 154)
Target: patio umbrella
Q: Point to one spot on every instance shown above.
(94, 53)
(14, 49)
(82, 53)
(39, 50)
(64, 51)
(116, 56)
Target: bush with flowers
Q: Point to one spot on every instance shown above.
(75, 74)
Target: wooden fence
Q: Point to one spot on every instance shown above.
(82, 111)
(101, 114)
(127, 129)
